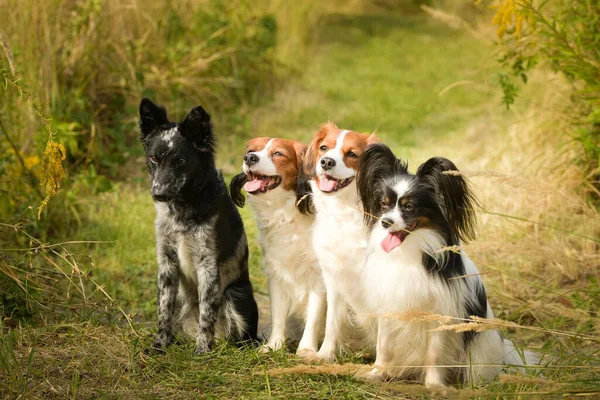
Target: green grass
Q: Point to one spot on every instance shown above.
(381, 72)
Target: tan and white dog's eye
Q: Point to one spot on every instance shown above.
(278, 153)
(323, 148)
(351, 154)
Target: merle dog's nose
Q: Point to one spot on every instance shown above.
(387, 222)
(161, 193)
(250, 159)
(327, 163)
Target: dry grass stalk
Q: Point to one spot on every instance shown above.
(329, 369)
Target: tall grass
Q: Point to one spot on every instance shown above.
(86, 63)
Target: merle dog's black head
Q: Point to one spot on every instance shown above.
(180, 156)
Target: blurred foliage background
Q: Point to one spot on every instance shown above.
(441, 73)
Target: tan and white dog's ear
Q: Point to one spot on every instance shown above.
(300, 149)
(310, 160)
(373, 138)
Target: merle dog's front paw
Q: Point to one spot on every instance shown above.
(202, 349)
(155, 349)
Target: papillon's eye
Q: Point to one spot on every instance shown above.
(323, 148)
(153, 159)
(278, 153)
(181, 161)
(385, 203)
(351, 154)
(408, 207)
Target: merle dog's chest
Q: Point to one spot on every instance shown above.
(193, 244)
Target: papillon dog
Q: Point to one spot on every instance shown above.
(416, 269)
(270, 170)
(339, 237)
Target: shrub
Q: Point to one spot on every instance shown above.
(566, 36)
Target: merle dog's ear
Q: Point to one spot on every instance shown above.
(196, 127)
(235, 189)
(151, 117)
(376, 163)
(454, 194)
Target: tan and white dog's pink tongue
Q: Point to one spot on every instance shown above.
(256, 184)
(390, 242)
(327, 185)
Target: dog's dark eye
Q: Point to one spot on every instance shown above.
(323, 148)
(351, 154)
(153, 159)
(385, 203)
(408, 207)
(277, 153)
(181, 161)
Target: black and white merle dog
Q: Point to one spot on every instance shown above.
(203, 280)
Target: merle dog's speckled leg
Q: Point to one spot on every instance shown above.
(168, 286)
(210, 299)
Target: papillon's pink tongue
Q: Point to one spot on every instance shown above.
(327, 185)
(390, 242)
(256, 184)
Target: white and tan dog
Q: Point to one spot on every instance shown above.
(339, 235)
(270, 170)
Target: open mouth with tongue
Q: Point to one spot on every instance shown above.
(395, 239)
(261, 183)
(330, 184)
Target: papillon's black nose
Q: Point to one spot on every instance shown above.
(250, 159)
(327, 163)
(387, 222)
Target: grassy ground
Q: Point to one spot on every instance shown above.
(381, 72)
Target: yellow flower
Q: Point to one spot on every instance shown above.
(52, 171)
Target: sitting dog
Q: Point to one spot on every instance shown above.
(270, 170)
(339, 237)
(415, 267)
(202, 251)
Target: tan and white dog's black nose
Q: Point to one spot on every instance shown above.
(327, 163)
(250, 159)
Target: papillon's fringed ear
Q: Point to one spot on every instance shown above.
(235, 189)
(376, 163)
(151, 117)
(196, 127)
(304, 195)
(457, 200)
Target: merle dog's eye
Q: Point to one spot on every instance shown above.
(323, 148)
(351, 154)
(181, 161)
(277, 153)
(385, 203)
(153, 159)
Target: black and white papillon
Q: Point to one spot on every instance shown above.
(415, 270)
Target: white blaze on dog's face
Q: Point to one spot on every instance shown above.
(270, 163)
(333, 156)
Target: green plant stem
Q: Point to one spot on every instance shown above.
(34, 181)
